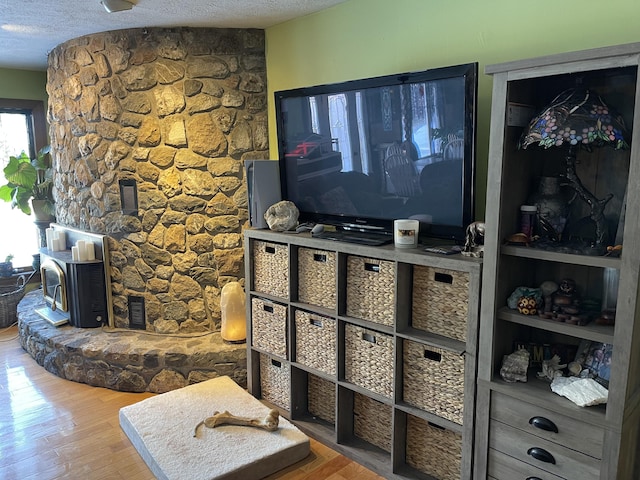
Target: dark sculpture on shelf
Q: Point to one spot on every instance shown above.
(565, 301)
(474, 240)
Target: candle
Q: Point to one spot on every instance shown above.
(75, 256)
(90, 252)
(49, 236)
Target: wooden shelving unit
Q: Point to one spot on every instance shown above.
(379, 414)
(598, 442)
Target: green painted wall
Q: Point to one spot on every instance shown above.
(23, 84)
(366, 38)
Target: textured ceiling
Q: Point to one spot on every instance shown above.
(29, 29)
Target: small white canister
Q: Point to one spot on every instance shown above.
(405, 233)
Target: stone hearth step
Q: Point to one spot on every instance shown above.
(132, 361)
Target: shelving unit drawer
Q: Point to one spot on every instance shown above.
(369, 359)
(504, 467)
(317, 277)
(433, 380)
(551, 457)
(275, 381)
(316, 341)
(372, 421)
(271, 268)
(269, 322)
(371, 289)
(440, 301)
(552, 426)
(433, 450)
(321, 398)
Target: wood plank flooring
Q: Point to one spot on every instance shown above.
(52, 428)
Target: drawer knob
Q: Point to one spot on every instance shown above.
(541, 454)
(533, 478)
(543, 424)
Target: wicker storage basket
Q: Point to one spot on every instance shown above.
(440, 301)
(369, 359)
(10, 296)
(316, 339)
(372, 421)
(322, 398)
(317, 277)
(275, 380)
(371, 289)
(433, 380)
(271, 268)
(433, 450)
(269, 322)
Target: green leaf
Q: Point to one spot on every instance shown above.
(41, 161)
(21, 199)
(6, 193)
(20, 172)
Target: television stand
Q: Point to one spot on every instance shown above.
(351, 236)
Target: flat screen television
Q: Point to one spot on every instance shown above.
(360, 154)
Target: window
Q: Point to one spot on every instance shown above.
(22, 128)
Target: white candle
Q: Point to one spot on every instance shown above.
(75, 255)
(82, 255)
(59, 241)
(49, 236)
(90, 252)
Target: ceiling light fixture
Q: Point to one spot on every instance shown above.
(116, 5)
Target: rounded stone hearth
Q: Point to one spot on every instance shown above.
(126, 360)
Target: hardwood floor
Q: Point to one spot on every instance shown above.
(52, 428)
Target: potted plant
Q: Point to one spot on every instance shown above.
(6, 267)
(29, 183)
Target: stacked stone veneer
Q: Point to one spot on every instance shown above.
(177, 110)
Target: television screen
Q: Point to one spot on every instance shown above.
(363, 153)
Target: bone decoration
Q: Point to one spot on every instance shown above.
(269, 423)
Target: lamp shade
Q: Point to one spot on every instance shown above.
(576, 117)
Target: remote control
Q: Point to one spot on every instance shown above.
(444, 250)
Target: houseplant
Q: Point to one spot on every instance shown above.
(6, 267)
(29, 183)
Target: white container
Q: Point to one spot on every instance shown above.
(405, 233)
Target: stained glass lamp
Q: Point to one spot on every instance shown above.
(579, 118)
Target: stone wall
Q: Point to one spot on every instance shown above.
(133, 361)
(177, 110)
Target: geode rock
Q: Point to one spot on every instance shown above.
(282, 216)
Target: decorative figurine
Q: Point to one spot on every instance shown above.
(474, 240)
(526, 292)
(607, 317)
(551, 368)
(528, 305)
(566, 301)
(548, 288)
(520, 239)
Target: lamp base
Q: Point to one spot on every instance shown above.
(596, 205)
(235, 342)
(573, 247)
